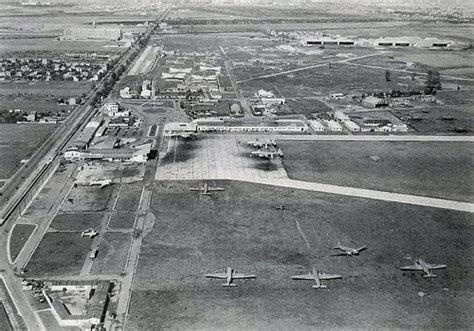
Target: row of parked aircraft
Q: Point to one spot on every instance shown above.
(266, 149)
(314, 275)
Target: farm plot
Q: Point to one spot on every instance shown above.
(239, 228)
(59, 253)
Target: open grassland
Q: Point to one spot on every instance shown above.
(18, 142)
(77, 221)
(129, 197)
(4, 321)
(87, 199)
(238, 227)
(20, 235)
(59, 253)
(113, 251)
(122, 221)
(442, 170)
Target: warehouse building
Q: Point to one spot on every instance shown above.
(317, 125)
(334, 126)
(351, 126)
(293, 126)
(374, 102)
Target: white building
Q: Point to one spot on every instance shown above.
(334, 126)
(339, 115)
(351, 126)
(316, 125)
(125, 93)
(175, 129)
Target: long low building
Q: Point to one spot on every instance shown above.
(294, 126)
(140, 154)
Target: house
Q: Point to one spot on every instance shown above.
(316, 125)
(351, 126)
(334, 126)
(374, 102)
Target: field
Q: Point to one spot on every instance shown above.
(112, 255)
(20, 235)
(87, 199)
(4, 321)
(129, 197)
(59, 253)
(432, 169)
(239, 228)
(17, 142)
(122, 221)
(76, 221)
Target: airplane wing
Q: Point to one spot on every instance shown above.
(220, 275)
(436, 266)
(303, 277)
(329, 276)
(216, 189)
(196, 189)
(242, 276)
(340, 254)
(361, 248)
(411, 267)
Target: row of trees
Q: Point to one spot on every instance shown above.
(432, 83)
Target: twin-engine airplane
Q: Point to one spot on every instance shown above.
(206, 189)
(317, 277)
(348, 250)
(229, 276)
(421, 265)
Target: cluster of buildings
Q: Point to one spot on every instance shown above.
(81, 304)
(48, 69)
(266, 104)
(340, 121)
(94, 143)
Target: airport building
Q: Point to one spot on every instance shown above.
(289, 126)
(316, 125)
(139, 154)
(334, 126)
(180, 129)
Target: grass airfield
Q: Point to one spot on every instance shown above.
(199, 234)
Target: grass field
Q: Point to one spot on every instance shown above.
(59, 253)
(18, 142)
(87, 199)
(129, 197)
(122, 221)
(4, 321)
(20, 235)
(195, 235)
(113, 251)
(432, 169)
(77, 221)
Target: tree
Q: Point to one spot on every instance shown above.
(388, 76)
(433, 82)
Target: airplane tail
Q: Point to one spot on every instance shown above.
(229, 285)
(429, 276)
(319, 286)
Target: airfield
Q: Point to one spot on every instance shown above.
(239, 227)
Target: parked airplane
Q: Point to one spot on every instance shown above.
(101, 183)
(348, 250)
(261, 143)
(280, 207)
(421, 265)
(317, 277)
(89, 233)
(206, 189)
(229, 276)
(267, 154)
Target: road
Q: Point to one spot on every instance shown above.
(342, 137)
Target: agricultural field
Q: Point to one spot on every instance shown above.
(122, 221)
(59, 253)
(18, 142)
(19, 236)
(239, 228)
(432, 169)
(113, 251)
(76, 221)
